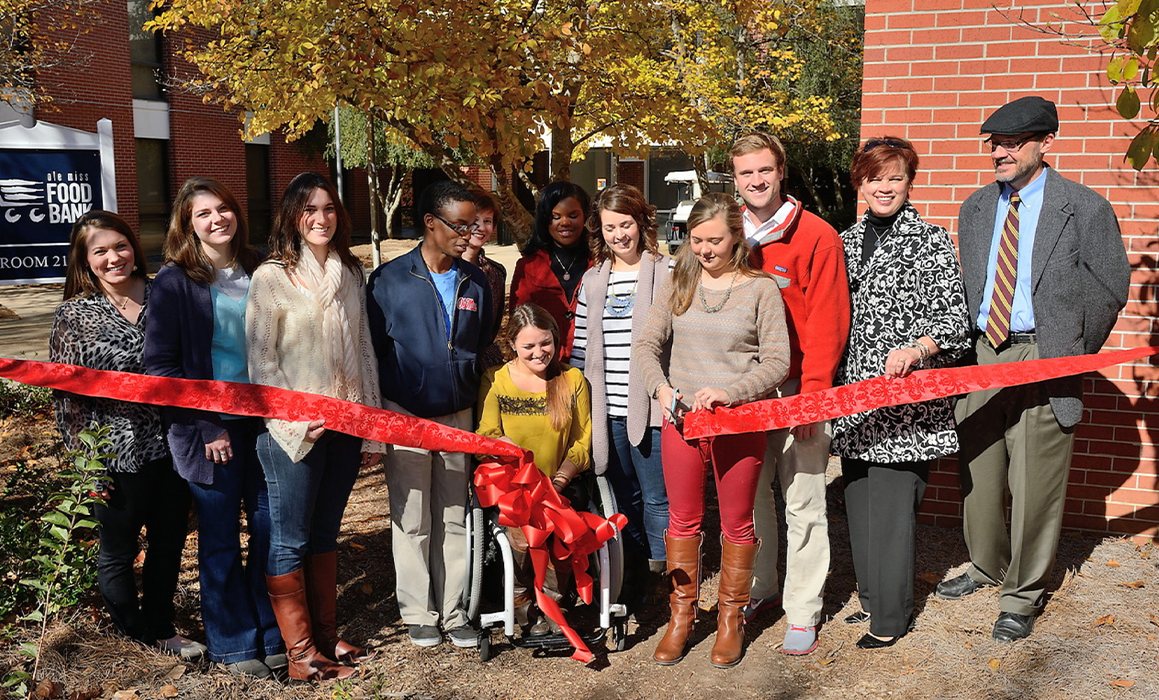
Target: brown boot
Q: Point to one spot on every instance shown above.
(288, 598)
(736, 577)
(684, 577)
(322, 593)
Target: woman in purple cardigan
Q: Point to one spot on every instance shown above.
(196, 330)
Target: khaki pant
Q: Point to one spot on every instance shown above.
(428, 512)
(1011, 443)
(800, 465)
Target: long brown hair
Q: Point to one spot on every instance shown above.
(286, 240)
(183, 248)
(629, 201)
(559, 394)
(78, 276)
(686, 274)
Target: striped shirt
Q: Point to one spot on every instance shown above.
(617, 333)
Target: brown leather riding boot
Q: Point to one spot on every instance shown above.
(684, 579)
(288, 598)
(736, 577)
(322, 593)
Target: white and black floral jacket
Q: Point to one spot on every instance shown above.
(910, 287)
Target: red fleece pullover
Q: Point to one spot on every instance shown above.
(807, 258)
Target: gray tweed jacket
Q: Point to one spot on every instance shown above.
(1079, 274)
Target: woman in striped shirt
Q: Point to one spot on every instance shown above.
(613, 301)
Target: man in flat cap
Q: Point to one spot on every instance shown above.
(1046, 274)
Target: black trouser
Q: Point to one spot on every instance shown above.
(158, 499)
(881, 502)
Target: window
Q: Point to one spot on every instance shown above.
(144, 53)
(153, 193)
(257, 183)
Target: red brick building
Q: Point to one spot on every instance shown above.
(934, 69)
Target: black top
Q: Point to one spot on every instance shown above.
(569, 265)
(875, 228)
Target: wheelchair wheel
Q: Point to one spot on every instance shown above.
(485, 646)
(619, 634)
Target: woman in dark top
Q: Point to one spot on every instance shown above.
(101, 325)
(908, 311)
(196, 330)
(555, 259)
(487, 219)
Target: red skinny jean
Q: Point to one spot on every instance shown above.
(736, 464)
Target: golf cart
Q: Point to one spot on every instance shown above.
(675, 230)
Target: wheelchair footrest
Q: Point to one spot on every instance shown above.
(556, 640)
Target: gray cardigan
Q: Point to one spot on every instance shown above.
(643, 411)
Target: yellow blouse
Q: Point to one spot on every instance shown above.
(505, 410)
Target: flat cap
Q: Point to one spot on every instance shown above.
(1030, 113)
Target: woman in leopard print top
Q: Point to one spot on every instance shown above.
(101, 325)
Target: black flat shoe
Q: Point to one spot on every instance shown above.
(958, 587)
(857, 618)
(1012, 626)
(868, 641)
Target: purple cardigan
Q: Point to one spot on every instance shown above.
(178, 343)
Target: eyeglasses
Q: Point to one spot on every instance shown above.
(462, 229)
(892, 143)
(1012, 146)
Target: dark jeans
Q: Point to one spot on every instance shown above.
(881, 501)
(235, 606)
(157, 499)
(307, 498)
(636, 474)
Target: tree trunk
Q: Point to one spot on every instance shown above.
(393, 196)
(700, 165)
(515, 216)
(372, 181)
(562, 140)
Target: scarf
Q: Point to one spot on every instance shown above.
(326, 285)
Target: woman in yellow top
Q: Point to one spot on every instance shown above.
(544, 406)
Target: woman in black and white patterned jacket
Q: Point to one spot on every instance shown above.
(908, 312)
(101, 325)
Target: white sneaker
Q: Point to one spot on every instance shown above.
(186, 649)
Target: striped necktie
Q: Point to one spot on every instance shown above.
(1005, 277)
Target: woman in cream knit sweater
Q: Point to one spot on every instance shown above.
(307, 331)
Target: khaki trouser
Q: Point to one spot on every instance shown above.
(1011, 443)
(428, 512)
(800, 465)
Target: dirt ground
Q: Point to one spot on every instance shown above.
(1097, 638)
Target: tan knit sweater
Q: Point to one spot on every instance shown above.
(284, 339)
(742, 349)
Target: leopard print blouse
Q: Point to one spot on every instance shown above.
(89, 331)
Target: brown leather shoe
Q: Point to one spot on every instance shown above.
(288, 598)
(736, 576)
(322, 594)
(684, 578)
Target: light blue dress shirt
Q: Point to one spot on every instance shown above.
(445, 285)
(1022, 310)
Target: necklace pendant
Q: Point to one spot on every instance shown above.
(566, 276)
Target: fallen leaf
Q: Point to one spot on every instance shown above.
(994, 664)
(1154, 620)
(175, 672)
(969, 645)
(1112, 563)
(1123, 683)
(47, 690)
(87, 694)
(169, 691)
(359, 547)
(1133, 584)
(125, 695)
(930, 578)
(367, 588)
(1105, 620)
(825, 662)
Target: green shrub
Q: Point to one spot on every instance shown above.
(18, 399)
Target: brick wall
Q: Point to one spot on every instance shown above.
(934, 69)
(631, 172)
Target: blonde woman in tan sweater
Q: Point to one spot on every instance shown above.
(720, 340)
(307, 331)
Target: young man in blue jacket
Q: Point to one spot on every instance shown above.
(430, 318)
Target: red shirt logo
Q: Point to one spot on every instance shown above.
(467, 304)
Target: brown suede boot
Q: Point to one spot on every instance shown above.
(322, 593)
(288, 598)
(684, 577)
(736, 577)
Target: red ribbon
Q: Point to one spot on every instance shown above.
(879, 392)
(523, 494)
(527, 500)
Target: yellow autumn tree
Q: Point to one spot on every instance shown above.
(495, 78)
(37, 35)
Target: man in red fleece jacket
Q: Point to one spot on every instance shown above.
(805, 255)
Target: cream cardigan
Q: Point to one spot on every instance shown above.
(283, 329)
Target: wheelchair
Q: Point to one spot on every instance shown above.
(485, 534)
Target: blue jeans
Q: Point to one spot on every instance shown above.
(307, 498)
(637, 478)
(239, 622)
